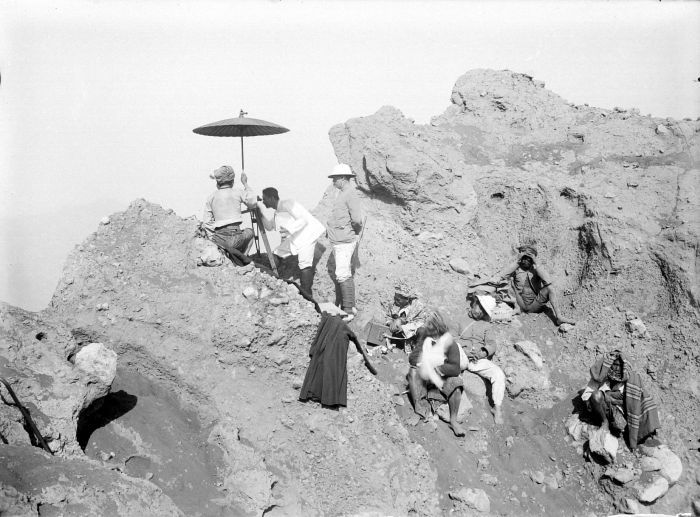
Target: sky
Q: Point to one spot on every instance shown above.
(98, 99)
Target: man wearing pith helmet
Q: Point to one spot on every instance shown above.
(343, 228)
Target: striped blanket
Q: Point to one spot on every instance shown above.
(640, 406)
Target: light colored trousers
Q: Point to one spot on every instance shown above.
(343, 260)
(306, 256)
(493, 373)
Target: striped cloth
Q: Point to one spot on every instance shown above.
(640, 406)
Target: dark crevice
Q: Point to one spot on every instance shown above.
(101, 412)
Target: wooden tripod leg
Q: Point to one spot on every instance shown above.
(261, 231)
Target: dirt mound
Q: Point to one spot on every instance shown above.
(210, 363)
(203, 410)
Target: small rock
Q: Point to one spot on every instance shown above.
(636, 328)
(472, 498)
(630, 505)
(649, 464)
(509, 441)
(251, 369)
(489, 479)
(603, 445)
(104, 220)
(537, 477)
(460, 266)
(661, 130)
(622, 475)
(565, 327)
(250, 292)
(149, 475)
(532, 351)
(671, 465)
(648, 493)
(279, 300)
(552, 482)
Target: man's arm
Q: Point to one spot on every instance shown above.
(544, 276)
(249, 197)
(297, 213)
(451, 366)
(355, 210)
(506, 272)
(268, 223)
(208, 215)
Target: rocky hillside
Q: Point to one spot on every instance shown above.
(197, 414)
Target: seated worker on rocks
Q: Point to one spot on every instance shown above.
(479, 346)
(222, 213)
(406, 314)
(617, 399)
(532, 286)
(434, 373)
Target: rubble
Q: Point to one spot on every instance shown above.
(223, 348)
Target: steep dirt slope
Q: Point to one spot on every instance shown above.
(229, 346)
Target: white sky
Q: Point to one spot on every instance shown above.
(98, 99)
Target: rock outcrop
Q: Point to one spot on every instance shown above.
(609, 198)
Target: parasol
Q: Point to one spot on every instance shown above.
(240, 126)
(243, 126)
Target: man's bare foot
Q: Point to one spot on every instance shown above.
(498, 415)
(456, 428)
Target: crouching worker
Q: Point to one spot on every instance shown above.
(434, 373)
(615, 396)
(532, 286)
(299, 231)
(478, 349)
(222, 214)
(406, 314)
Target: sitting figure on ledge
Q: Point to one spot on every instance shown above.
(616, 397)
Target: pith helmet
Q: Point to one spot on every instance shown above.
(342, 170)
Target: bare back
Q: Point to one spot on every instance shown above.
(226, 204)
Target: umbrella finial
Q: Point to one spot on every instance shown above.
(242, 113)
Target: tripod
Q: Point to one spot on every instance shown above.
(258, 231)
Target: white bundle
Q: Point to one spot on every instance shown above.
(432, 356)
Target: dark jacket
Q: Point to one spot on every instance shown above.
(326, 378)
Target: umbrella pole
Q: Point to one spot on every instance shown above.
(242, 159)
(257, 218)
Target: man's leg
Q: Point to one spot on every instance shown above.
(597, 406)
(550, 294)
(419, 392)
(452, 389)
(493, 373)
(343, 274)
(453, 403)
(306, 271)
(241, 240)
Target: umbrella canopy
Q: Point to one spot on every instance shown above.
(240, 126)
